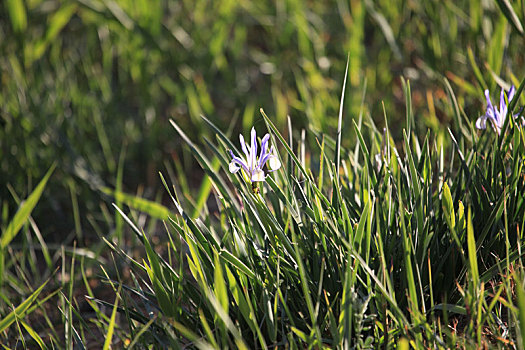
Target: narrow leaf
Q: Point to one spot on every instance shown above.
(21, 310)
(471, 242)
(24, 211)
(111, 326)
(512, 17)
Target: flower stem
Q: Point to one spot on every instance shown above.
(255, 188)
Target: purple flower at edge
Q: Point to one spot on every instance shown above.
(251, 164)
(494, 114)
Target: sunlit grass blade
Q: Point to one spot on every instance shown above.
(205, 163)
(111, 325)
(24, 211)
(276, 133)
(189, 334)
(56, 23)
(33, 335)
(18, 15)
(516, 98)
(340, 120)
(520, 296)
(21, 310)
(472, 255)
(152, 208)
(475, 68)
(409, 119)
(139, 334)
(510, 14)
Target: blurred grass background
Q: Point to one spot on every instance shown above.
(90, 86)
(90, 83)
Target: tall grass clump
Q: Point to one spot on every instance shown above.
(412, 242)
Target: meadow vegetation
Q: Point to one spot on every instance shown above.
(391, 220)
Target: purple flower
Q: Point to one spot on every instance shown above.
(494, 114)
(253, 165)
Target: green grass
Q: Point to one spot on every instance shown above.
(392, 222)
(383, 249)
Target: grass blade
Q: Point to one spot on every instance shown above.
(112, 321)
(512, 17)
(340, 121)
(153, 209)
(520, 294)
(515, 99)
(18, 15)
(21, 310)
(24, 211)
(471, 243)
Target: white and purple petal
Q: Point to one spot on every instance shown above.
(243, 146)
(502, 106)
(258, 175)
(234, 167)
(265, 158)
(239, 162)
(253, 150)
(512, 91)
(274, 163)
(253, 164)
(489, 102)
(264, 150)
(499, 119)
(481, 123)
(496, 114)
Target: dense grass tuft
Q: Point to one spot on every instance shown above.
(418, 241)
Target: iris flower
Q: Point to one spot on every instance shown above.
(494, 114)
(253, 164)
